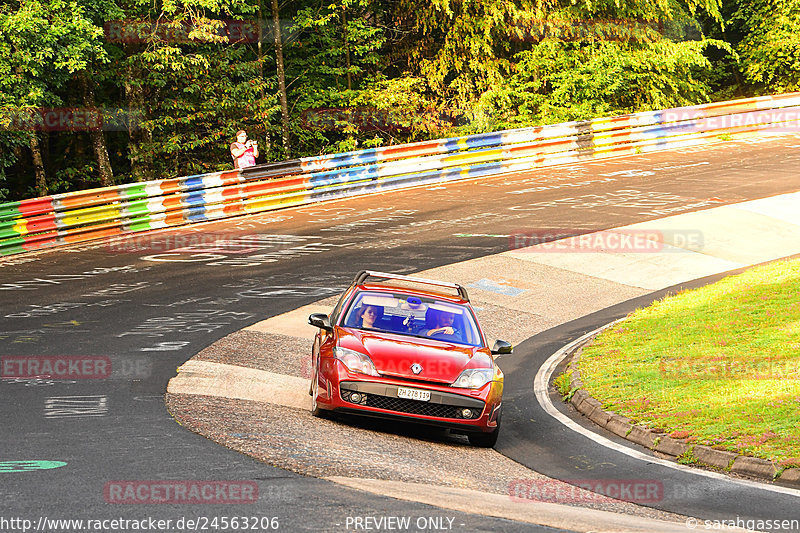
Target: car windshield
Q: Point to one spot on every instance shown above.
(413, 316)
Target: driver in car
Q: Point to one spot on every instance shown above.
(442, 324)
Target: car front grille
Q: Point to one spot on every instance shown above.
(413, 407)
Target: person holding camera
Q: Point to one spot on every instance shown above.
(244, 151)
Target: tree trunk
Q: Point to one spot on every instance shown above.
(139, 139)
(347, 50)
(276, 22)
(96, 136)
(21, 166)
(260, 29)
(38, 166)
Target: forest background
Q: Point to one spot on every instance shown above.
(102, 92)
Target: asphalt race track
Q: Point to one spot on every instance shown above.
(147, 304)
(716, 497)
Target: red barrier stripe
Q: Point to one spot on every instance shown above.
(540, 146)
(41, 223)
(234, 191)
(733, 107)
(36, 206)
(392, 152)
(40, 240)
(275, 186)
(230, 177)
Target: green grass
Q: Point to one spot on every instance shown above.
(562, 383)
(719, 365)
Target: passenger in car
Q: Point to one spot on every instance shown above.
(367, 315)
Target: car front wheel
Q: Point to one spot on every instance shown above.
(484, 440)
(315, 409)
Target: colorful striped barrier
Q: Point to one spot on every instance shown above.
(135, 207)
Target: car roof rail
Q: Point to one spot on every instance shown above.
(362, 276)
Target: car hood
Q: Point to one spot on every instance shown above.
(394, 355)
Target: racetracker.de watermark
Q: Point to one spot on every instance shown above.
(61, 367)
(180, 492)
(622, 240)
(77, 119)
(768, 120)
(367, 118)
(641, 491)
(723, 368)
(138, 31)
(579, 30)
(205, 241)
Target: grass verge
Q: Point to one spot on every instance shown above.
(719, 365)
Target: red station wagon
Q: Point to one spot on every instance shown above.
(417, 354)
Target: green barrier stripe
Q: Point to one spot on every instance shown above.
(9, 210)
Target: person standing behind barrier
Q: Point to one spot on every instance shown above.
(244, 151)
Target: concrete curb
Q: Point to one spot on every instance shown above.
(670, 447)
(205, 378)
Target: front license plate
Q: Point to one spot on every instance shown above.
(413, 394)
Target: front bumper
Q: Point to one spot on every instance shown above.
(378, 397)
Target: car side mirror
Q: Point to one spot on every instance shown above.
(502, 348)
(321, 321)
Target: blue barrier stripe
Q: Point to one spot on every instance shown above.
(195, 200)
(195, 214)
(328, 178)
(193, 183)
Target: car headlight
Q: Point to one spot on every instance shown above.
(355, 361)
(474, 378)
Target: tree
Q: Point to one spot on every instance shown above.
(334, 56)
(42, 44)
(191, 71)
(517, 63)
(769, 48)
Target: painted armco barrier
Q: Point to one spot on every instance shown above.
(86, 215)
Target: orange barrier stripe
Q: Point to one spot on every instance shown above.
(233, 209)
(172, 202)
(104, 230)
(84, 199)
(230, 191)
(170, 186)
(175, 219)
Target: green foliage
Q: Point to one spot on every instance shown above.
(333, 45)
(363, 73)
(557, 81)
(562, 384)
(770, 49)
(42, 45)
